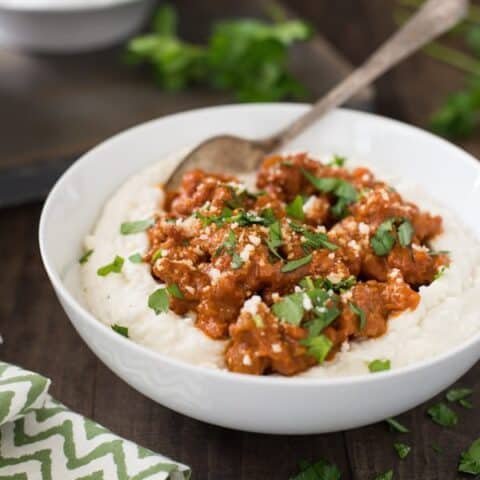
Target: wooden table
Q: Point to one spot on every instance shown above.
(37, 334)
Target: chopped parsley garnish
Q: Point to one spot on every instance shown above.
(396, 426)
(440, 272)
(343, 190)
(290, 308)
(456, 394)
(402, 450)
(84, 258)
(121, 330)
(175, 291)
(158, 301)
(158, 254)
(294, 264)
(136, 258)
(337, 161)
(405, 233)
(320, 470)
(379, 365)
(437, 448)
(275, 238)
(114, 267)
(219, 220)
(384, 240)
(313, 240)
(443, 415)
(236, 262)
(318, 347)
(228, 245)
(127, 228)
(465, 403)
(470, 460)
(385, 476)
(434, 253)
(295, 208)
(360, 313)
(258, 320)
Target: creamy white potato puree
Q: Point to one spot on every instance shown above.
(448, 313)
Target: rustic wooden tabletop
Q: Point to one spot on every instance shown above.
(38, 336)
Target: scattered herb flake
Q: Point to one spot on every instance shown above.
(128, 228)
(456, 394)
(338, 161)
(136, 258)
(318, 347)
(236, 262)
(274, 238)
(295, 208)
(443, 415)
(437, 448)
(121, 330)
(294, 264)
(470, 460)
(175, 291)
(379, 365)
(360, 313)
(395, 425)
(158, 254)
(405, 233)
(114, 267)
(402, 449)
(383, 240)
(289, 309)
(320, 470)
(84, 258)
(158, 301)
(465, 403)
(385, 476)
(258, 320)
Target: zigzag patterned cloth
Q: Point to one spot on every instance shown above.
(41, 439)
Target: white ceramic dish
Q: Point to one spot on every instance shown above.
(71, 25)
(260, 404)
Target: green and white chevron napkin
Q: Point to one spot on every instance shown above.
(42, 439)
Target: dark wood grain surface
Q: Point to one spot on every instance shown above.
(37, 334)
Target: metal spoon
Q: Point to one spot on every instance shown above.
(236, 155)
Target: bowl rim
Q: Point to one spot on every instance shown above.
(223, 374)
(74, 7)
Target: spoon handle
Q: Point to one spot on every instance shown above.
(435, 17)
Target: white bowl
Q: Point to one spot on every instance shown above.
(259, 404)
(70, 26)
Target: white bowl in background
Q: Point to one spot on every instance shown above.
(259, 404)
(70, 26)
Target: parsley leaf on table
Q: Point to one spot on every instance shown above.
(443, 415)
(248, 57)
(320, 470)
(470, 460)
(395, 425)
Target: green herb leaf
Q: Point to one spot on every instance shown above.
(318, 347)
(456, 394)
(360, 313)
(385, 476)
(294, 264)
(402, 449)
(158, 301)
(379, 365)
(295, 208)
(437, 448)
(289, 309)
(324, 185)
(443, 415)
(383, 240)
(236, 262)
(470, 460)
(258, 320)
(114, 267)
(320, 470)
(136, 258)
(274, 238)
(465, 403)
(121, 330)
(228, 245)
(405, 233)
(165, 20)
(175, 291)
(338, 161)
(313, 240)
(84, 258)
(127, 228)
(396, 425)
(158, 254)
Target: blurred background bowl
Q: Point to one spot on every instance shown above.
(70, 26)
